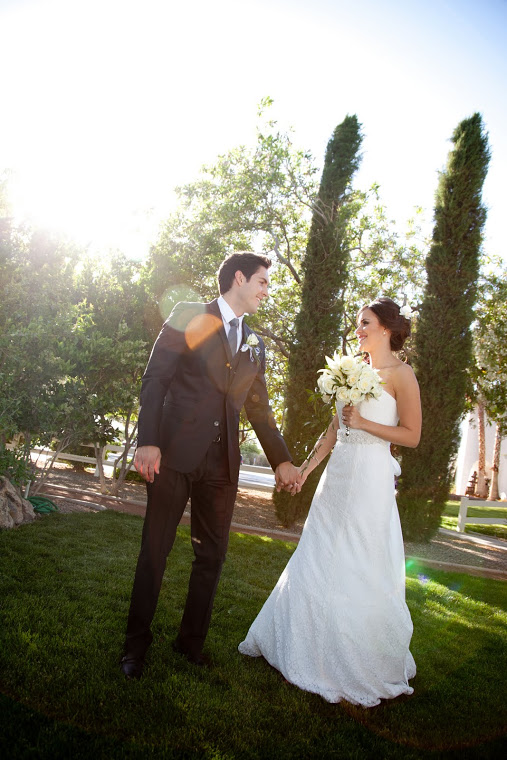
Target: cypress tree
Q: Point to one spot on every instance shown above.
(443, 340)
(319, 321)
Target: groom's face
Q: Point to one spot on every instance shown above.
(254, 290)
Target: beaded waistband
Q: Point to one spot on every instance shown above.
(358, 436)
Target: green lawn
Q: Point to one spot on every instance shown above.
(450, 519)
(65, 583)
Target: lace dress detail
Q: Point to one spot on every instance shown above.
(357, 436)
(336, 622)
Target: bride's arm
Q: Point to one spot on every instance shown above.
(321, 449)
(408, 431)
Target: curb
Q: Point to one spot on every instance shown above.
(452, 567)
(476, 538)
(448, 567)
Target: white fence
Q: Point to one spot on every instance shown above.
(250, 476)
(256, 477)
(463, 508)
(108, 456)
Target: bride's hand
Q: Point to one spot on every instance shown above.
(351, 417)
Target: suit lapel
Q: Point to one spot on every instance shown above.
(214, 309)
(246, 333)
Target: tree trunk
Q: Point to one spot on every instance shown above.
(481, 489)
(63, 444)
(125, 463)
(99, 456)
(493, 486)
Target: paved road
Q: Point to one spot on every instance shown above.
(261, 481)
(450, 548)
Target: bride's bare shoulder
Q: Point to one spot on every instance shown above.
(403, 373)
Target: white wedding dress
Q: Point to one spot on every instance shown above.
(336, 622)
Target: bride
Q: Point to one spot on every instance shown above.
(336, 622)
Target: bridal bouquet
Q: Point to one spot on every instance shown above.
(349, 380)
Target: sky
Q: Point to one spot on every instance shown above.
(108, 105)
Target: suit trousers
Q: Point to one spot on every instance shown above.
(212, 502)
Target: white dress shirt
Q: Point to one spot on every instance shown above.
(228, 314)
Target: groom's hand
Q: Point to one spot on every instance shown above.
(147, 462)
(287, 477)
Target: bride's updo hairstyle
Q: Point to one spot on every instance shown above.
(388, 314)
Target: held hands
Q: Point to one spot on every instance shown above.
(287, 478)
(147, 462)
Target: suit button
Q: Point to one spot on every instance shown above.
(216, 423)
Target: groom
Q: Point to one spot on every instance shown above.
(206, 365)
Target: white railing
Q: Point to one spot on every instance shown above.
(108, 457)
(264, 481)
(463, 508)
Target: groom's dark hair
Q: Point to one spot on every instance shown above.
(245, 262)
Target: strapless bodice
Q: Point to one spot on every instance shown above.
(382, 410)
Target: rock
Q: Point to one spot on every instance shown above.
(14, 510)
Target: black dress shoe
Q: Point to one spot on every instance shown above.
(201, 660)
(131, 667)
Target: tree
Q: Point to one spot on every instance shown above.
(501, 430)
(8, 400)
(490, 369)
(481, 488)
(109, 354)
(36, 320)
(320, 320)
(73, 345)
(252, 198)
(261, 198)
(256, 197)
(443, 341)
(381, 262)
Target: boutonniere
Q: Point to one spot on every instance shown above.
(252, 345)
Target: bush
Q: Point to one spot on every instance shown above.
(15, 467)
(251, 453)
(134, 477)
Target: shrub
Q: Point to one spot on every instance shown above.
(15, 467)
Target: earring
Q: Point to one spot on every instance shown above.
(384, 332)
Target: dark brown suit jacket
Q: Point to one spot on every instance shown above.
(193, 389)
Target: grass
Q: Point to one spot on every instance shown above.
(449, 519)
(65, 584)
